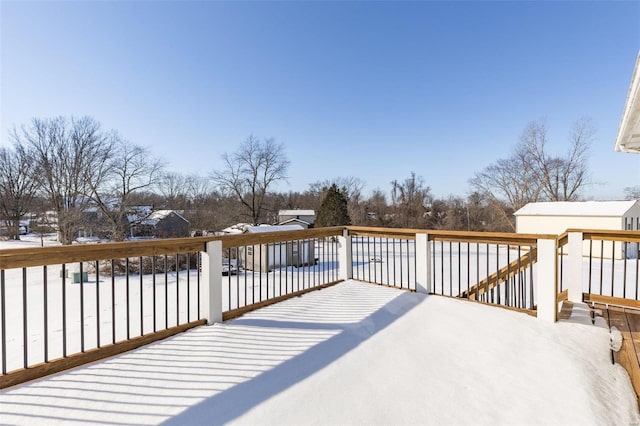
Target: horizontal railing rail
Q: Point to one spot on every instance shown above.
(52, 255)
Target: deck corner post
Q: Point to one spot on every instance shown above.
(212, 279)
(423, 264)
(547, 280)
(574, 267)
(345, 257)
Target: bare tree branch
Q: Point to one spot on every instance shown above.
(71, 155)
(18, 187)
(250, 171)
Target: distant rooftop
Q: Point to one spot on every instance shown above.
(577, 208)
(296, 213)
(158, 215)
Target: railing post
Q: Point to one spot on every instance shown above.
(345, 258)
(423, 264)
(212, 282)
(546, 280)
(574, 269)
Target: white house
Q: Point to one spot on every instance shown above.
(557, 217)
(160, 224)
(628, 138)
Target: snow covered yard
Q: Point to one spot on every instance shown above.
(351, 354)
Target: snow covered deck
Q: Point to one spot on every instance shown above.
(353, 353)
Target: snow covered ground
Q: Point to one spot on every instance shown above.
(351, 354)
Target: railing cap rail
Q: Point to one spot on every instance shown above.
(455, 235)
(53, 255)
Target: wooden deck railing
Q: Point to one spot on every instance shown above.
(268, 267)
(64, 306)
(131, 293)
(600, 266)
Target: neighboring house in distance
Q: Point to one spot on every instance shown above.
(92, 224)
(266, 257)
(628, 137)
(304, 218)
(161, 224)
(557, 217)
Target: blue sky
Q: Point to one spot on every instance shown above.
(374, 90)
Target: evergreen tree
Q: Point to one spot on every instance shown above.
(333, 209)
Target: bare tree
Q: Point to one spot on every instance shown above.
(203, 201)
(174, 188)
(410, 200)
(198, 188)
(513, 179)
(131, 169)
(531, 174)
(561, 178)
(71, 155)
(376, 209)
(350, 186)
(632, 192)
(250, 171)
(18, 187)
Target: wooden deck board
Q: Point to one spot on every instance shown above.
(627, 321)
(633, 319)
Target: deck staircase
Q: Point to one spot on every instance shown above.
(502, 276)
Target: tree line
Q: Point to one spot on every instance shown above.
(70, 165)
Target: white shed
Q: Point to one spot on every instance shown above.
(557, 217)
(266, 257)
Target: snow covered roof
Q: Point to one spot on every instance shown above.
(238, 228)
(273, 228)
(577, 208)
(296, 213)
(628, 138)
(158, 215)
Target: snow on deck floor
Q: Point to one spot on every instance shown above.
(350, 354)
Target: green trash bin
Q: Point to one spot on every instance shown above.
(76, 277)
